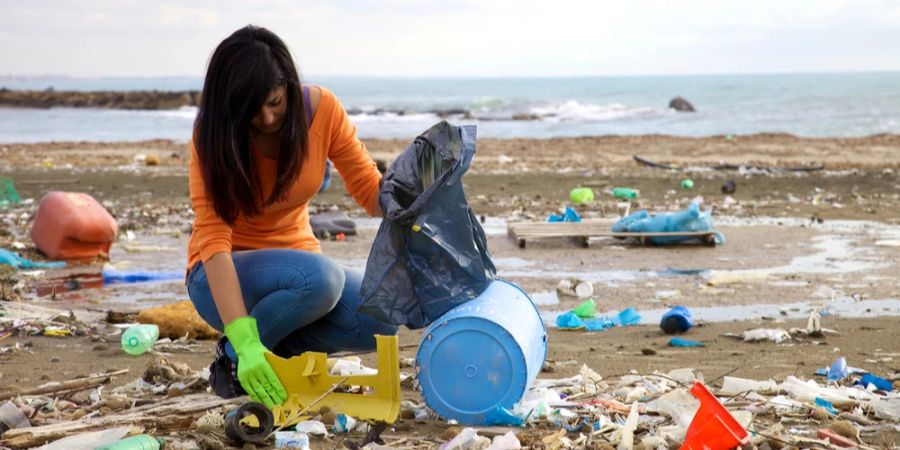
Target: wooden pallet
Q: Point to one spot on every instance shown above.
(580, 232)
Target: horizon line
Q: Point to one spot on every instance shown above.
(463, 77)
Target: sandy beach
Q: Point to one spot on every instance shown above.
(795, 240)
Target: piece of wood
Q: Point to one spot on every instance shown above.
(65, 386)
(177, 413)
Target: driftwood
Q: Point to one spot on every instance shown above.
(657, 165)
(66, 386)
(172, 414)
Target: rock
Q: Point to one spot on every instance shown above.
(176, 320)
(526, 116)
(682, 105)
(648, 351)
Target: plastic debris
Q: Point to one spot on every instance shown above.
(343, 424)
(574, 287)
(765, 334)
(838, 369)
(827, 406)
(624, 192)
(676, 320)
(8, 194)
(569, 321)
(874, 380)
(690, 219)
(586, 310)
(313, 427)
(11, 417)
(580, 196)
(292, 440)
(679, 342)
(735, 386)
(17, 262)
(687, 184)
(508, 441)
(568, 215)
(139, 442)
(467, 439)
(504, 417)
(627, 317)
(138, 339)
(713, 427)
(117, 277)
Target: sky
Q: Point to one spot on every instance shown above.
(461, 38)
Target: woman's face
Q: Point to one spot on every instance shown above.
(271, 115)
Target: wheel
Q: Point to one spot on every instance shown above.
(243, 432)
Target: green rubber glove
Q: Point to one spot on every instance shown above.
(254, 372)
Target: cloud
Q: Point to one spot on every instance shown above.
(457, 38)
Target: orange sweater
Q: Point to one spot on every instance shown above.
(285, 224)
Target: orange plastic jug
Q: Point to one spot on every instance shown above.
(72, 225)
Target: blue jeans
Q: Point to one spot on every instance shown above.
(302, 301)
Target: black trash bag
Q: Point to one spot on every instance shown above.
(430, 253)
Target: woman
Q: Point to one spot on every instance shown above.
(256, 272)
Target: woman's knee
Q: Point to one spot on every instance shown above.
(320, 282)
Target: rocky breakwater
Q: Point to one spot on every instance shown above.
(98, 99)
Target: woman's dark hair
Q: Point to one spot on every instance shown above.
(244, 68)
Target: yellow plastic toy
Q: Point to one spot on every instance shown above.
(306, 379)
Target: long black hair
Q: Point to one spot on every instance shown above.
(244, 68)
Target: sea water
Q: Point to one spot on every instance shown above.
(821, 105)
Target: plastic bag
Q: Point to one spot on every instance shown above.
(430, 253)
(691, 219)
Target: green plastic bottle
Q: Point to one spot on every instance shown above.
(137, 339)
(624, 192)
(139, 442)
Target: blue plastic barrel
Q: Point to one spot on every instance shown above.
(482, 355)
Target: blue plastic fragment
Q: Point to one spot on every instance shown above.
(880, 383)
(826, 405)
(679, 342)
(598, 324)
(627, 317)
(838, 370)
(17, 262)
(569, 321)
(501, 416)
(570, 215)
(115, 276)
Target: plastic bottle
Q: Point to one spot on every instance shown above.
(624, 192)
(139, 442)
(138, 339)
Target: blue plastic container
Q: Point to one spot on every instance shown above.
(482, 355)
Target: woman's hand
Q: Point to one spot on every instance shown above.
(254, 372)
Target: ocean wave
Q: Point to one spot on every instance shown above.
(392, 117)
(572, 111)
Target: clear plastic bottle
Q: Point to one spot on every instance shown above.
(138, 339)
(139, 442)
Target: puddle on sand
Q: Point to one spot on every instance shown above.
(842, 307)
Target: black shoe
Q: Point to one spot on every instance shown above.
(223, 374)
